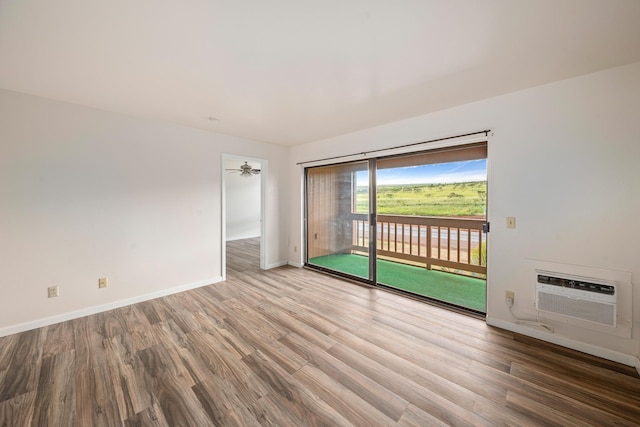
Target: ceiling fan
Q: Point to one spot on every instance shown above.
(246, 170)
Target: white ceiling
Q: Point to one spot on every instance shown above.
(295, 71)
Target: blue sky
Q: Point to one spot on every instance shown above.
(440, 173)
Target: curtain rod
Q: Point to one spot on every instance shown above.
(364, 153)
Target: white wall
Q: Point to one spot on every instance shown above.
(86, 194)
(565, 160)
(242, 202)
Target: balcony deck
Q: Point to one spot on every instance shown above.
(463, 291)
(440, 258)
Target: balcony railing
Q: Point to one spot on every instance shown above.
(452, 243)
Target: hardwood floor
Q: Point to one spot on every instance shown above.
(291, 347)
(243, 255)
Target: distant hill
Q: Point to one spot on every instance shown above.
(463, 199)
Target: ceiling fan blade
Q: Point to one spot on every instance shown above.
(245, 170)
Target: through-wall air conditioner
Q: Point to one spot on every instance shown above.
(581, 298)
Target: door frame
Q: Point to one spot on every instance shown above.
(264, 170)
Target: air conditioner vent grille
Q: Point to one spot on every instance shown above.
(580, 309)
(580, 298)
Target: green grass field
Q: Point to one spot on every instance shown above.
(466, 199)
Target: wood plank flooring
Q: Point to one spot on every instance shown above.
(243, 255)
(291, 347)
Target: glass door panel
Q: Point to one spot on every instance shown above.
(431, 208)
(337, 218)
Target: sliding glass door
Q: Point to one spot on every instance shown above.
(337, 218)
(411, 222)
(431, 212)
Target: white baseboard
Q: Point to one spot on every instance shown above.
(296, 264)
(638, 365)
(276, 265)
(625, 359)
(39, 323)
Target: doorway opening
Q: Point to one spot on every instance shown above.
(414, 223)
(243, 213)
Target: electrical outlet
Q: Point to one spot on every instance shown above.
(53, 291)
(511, 222)
(102, 282)
(509, 297)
